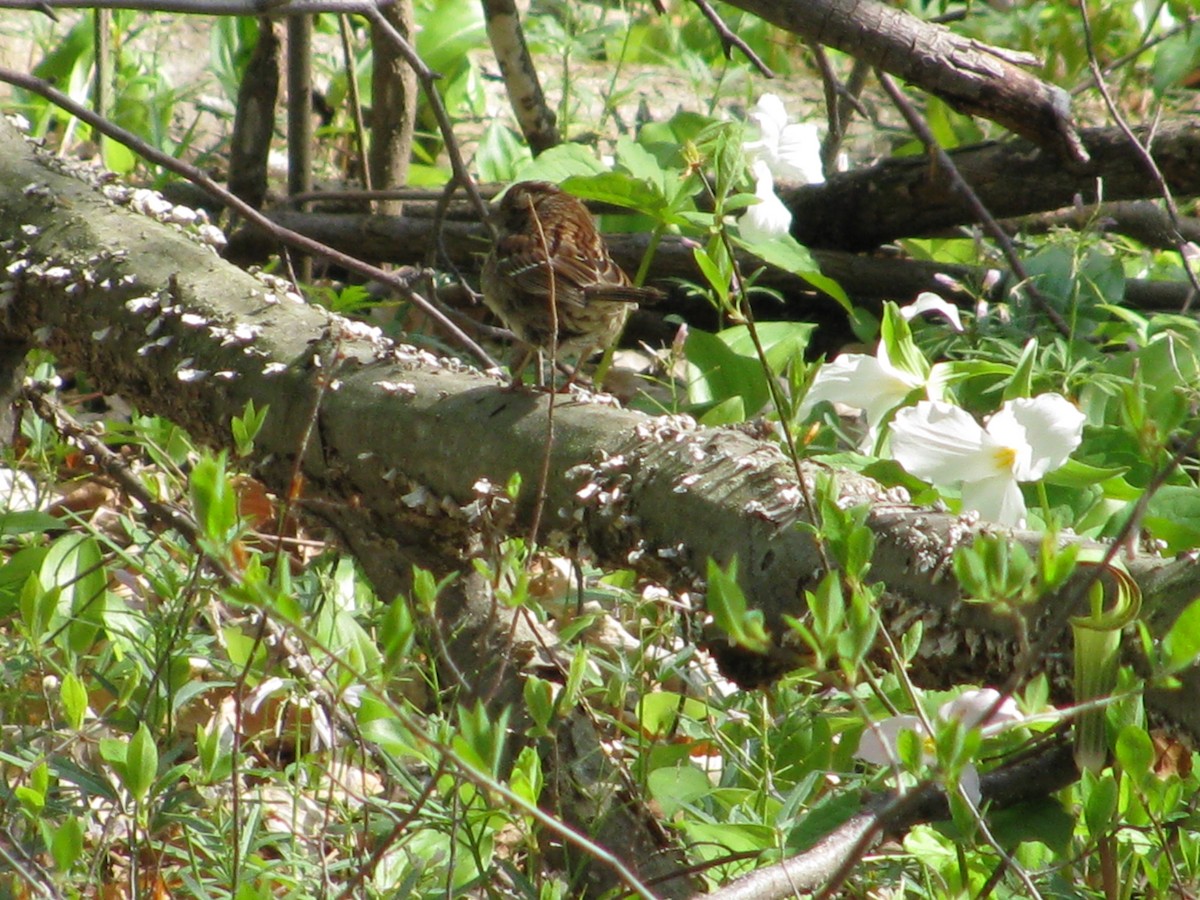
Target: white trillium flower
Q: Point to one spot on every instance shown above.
(879, 742)
(1027, 438)
(927, 301)
(767, 219)
(792, 151)
(873, 384)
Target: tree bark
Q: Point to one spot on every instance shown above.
(906, 197)
(535, 119)
(394, 99)
(972, 77)
(254, 122)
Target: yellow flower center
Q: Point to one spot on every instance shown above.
(1005, 457)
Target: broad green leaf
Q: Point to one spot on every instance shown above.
(1173, 515)
(74, 700)
(729, 411)
(66, 845)
(501, 153)
(74, 566)
(561, 164)
(727, 604)
(783, 342)
(676, 787)
(449, 30)
(141, 763)
(717, 373)
(1181, 644)
(1135, 752)
(619, 189)
(639, 162)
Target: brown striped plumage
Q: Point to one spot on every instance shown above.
(549, 276)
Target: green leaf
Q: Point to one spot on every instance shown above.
(659, 711)
(896, 338)
(788, 254)
(1042, 820)
(539, 701)
(141, 763)
(246, 427)
(28, 521)
(1181, 645)
(214, 500)
(639, 162)
(782, 342)
(678, 787)
(37, 606)
(1076, 474)
(74, 565)
(387, 731)
(729, 411)
(448, 31)
(727, 604)
(717, 373)
(527, 779)
(1021, 383)
(1173, 515)
(1135, 752)
(618, 189)
(74, 700)
(501, 153)
(715, 273)
(66, 845)
(1099, 802)
(561, 164)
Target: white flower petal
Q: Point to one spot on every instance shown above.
(928, 301)
(942, 444)
(970, 706)
(877, 745)
(969, 781)
(864, 382)
(798, 156)
(791, 151)
(996, 499)
(770, 115)
(1053, 428)
(768, 218)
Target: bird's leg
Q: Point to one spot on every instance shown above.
(526, 353)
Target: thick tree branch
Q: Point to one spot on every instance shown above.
(410, 241)
(972, 77)
(905, 197)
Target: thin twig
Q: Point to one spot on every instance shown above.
(729, 40)
(360, 128)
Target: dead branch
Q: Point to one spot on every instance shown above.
(535, 118)
(972, 77)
